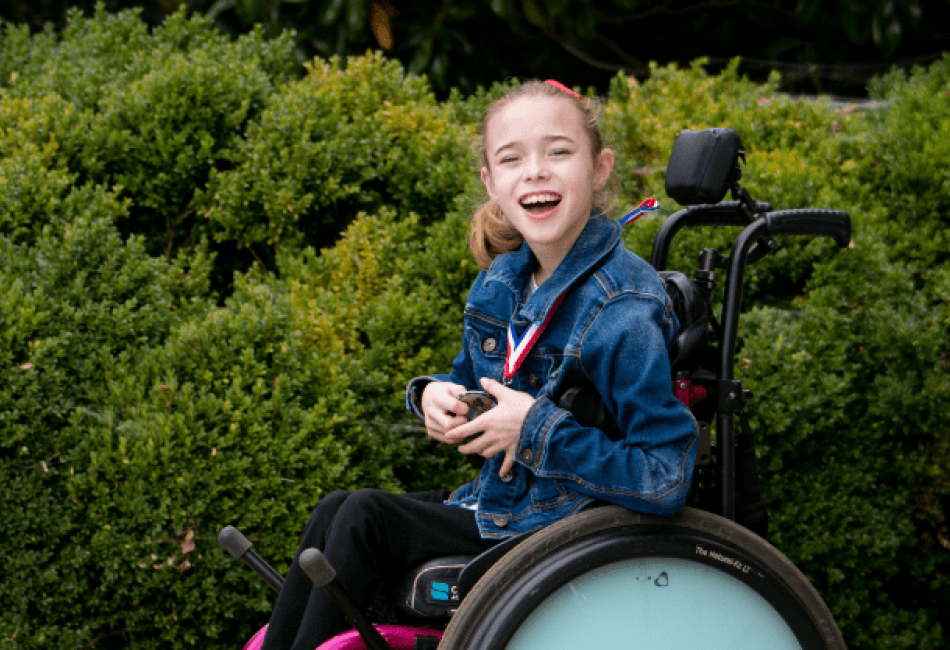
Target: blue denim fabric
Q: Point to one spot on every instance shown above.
(614, 329)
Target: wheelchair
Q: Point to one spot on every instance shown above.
(612, 578)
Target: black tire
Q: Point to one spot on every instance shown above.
(563, 554)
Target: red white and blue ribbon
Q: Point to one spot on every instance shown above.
(647, 205)
(518, 347)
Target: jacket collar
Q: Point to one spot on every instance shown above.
(599, 237)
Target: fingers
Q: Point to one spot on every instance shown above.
(442, 411)
(500, 428)
(482, 446)
(441, 396)
(438, 427)
(461, 433)
(508, 464)
(496, 431)
(494, 388)
(487, 447)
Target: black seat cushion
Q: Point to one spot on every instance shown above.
(430, 591)
(433, 590)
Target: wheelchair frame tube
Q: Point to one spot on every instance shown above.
(732, 304)
(835, 224)
(811, 222)
(726, 213)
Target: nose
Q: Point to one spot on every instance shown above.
(536, 168)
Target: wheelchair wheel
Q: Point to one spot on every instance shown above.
(611, 578)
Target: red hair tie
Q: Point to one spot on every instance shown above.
(560, 86)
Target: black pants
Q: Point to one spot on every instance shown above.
(367, 535)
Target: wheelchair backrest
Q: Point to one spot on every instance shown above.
(693, 313)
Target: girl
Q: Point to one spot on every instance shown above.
(559, 301)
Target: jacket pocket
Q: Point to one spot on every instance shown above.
(487, 342)
(546, 492)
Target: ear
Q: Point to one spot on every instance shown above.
(603, 166)
(486, 180)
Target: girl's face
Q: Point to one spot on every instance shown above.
(542, 173)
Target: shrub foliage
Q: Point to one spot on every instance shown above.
(331, 145)
(155, 385)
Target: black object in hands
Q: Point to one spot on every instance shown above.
(478, 402)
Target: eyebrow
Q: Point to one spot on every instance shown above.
(546, 139)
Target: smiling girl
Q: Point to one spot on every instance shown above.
(559, 302)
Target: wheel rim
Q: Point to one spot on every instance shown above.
(646, 602)
(694, 543)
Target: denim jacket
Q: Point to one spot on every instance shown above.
(613, 329)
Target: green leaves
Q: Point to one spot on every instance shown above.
(333, 144)
(147, 114)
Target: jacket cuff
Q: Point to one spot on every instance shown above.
(540, 420)
(414, 394)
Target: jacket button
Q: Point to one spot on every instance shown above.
(489, 345)
(500, 521)
(533, 380)
(527, 456)
(506, 478)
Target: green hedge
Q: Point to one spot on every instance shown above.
(149, 114)
(218, 268)
(334, 144)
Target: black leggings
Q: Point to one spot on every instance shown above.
(367, 535)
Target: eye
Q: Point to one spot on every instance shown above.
(560, 152)
(508, 159)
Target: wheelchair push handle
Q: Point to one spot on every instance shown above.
(809, 222)
(814, 222)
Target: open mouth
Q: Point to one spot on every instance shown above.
(541, 203)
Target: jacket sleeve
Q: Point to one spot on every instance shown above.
(461, 374)
(624, 353)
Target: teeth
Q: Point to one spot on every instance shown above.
(540, 198)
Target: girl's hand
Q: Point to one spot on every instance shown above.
(500, 427)
(442, 411)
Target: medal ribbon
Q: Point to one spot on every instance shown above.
(647, 205)
(518, 347)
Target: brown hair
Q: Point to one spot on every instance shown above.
(491, 233)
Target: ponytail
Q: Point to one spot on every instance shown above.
(491, 235)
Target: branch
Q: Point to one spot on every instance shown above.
(586, 58)
(635, 64)
(703, 6)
